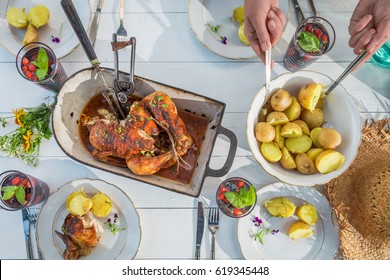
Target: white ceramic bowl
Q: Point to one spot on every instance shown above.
(340, 113)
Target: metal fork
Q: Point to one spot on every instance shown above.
(121, 32)
(32, 214)
(213, 227)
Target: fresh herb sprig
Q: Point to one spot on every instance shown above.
(17, 191)
(215, 29)
(243, 198)
(24, 142)
(309, 42)
(113, 226)
(42, 64)
(261, 231)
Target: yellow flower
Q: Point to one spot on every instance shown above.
(18, 113)
(27, 138)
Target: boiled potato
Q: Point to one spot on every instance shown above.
(305, 164)
(307, 213)
(308, 96)
(279, 139)
(291, 130)
(276, 118)
(299, 144)
(78, 203)
(264, 132)
(300, 230)
(313, 118)
(314, 136)
(321, 102)
(280, 207)
(305, 129)
(102, 205)
(294, 110)
(313, 153)
(328, 161)
(287, 159)
(281, 100)
(270, 151)
(329, 138)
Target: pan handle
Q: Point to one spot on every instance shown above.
(232, 153)
(74, 19)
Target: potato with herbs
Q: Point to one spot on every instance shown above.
(264, 132)
(328, 161)
(270, 151)
(309, 95)
(329, 138)
(281, 100)
(313, 118)
(304, 164)
(278, 138)
(291, 130)
(276, 118)
(294, 110)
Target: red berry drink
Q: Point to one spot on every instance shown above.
(19, 190)
(314, 37)
(37, 63)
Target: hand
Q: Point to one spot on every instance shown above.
(264, 23)
(369, 26)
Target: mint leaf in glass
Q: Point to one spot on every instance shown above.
(309, 42)
(17, 191)
(42, 64)
(41, 73)
(242, 199)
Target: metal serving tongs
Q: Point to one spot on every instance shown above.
(74, 19)
(124, 89)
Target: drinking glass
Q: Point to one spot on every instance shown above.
(35, 190)
(297, 58)
(55, 77)
(382, 56)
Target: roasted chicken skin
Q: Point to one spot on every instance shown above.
(136, 139)
(80, 235)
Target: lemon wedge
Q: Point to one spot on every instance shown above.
(38, 15)
(17, 18)
(307, 213)
(31, 35)
(78, 203)
(101, 205)
(280, 207)
(242, 36)
(300, 230)
(238, 14)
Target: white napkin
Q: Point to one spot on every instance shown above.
(12, 241)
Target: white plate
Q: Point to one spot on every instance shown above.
(322, 245)
(123, 245)
(214, 12)
(12, 37)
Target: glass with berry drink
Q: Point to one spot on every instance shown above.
(38, 63)
(236, 197)
(313, 37)
(19, 190)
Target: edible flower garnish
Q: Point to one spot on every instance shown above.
(112, 224)
(261, 231)
(24, 142)
(215, 29)
(57, 39)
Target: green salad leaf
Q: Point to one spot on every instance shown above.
(309, 42)
(243, 198)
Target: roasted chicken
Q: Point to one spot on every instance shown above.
(80, 235)
(152, 136)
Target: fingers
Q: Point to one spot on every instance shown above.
(363, 41)
(262, 33)
(357, 26)
(381, 36)
(274, 26)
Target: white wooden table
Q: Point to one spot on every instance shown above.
(168, 52)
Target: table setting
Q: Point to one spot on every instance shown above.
(150, 130)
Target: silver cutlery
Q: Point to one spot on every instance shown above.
(199, 230)
(348, 70)
(213, 227)
(313, 7)
(121, 32)
(26, 227)
(298, 11)
(267, 71)
(32, 214)
(95, 23)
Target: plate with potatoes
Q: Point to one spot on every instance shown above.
(289, 223)
(299, 135)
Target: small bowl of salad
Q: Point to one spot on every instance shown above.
(236, 197)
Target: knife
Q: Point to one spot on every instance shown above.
(298, 11)
(199, 230)
(95, 23)
(313, 7)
